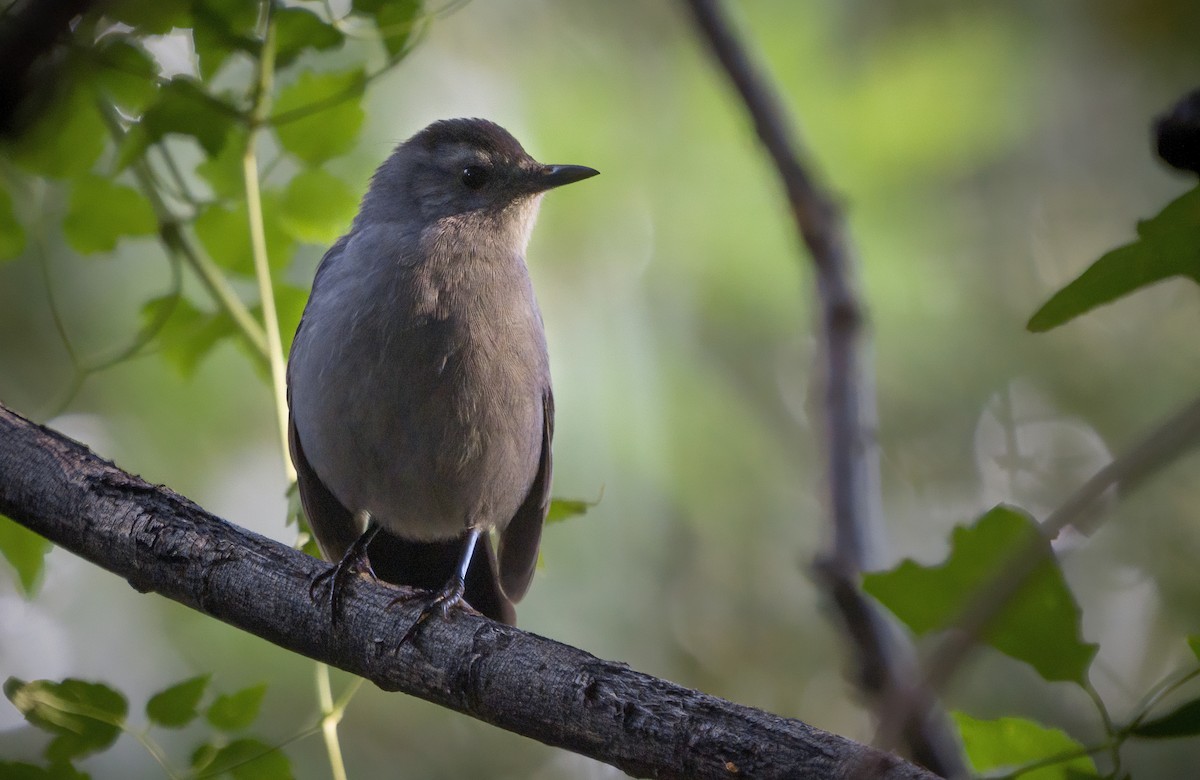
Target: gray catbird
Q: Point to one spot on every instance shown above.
(418, 383)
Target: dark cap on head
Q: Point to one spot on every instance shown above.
(460, 166)
(486, 136)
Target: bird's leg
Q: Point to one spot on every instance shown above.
(355, 561)
(452, 594)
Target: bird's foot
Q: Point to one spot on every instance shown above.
(339, 575)
(441, 604)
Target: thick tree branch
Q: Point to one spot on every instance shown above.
(885, 664)
(161, 542)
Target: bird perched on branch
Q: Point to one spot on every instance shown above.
(421, 413)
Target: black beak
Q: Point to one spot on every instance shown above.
(551, 176)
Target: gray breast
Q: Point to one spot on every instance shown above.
(425, 408)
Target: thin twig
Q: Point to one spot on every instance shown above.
(184, 193)
(79, 373)
(1157, 694)
(258, 239)
(331, 716)
(853, 470)
(1110, 730)
(152, 328)
(1163, 445)
(176, 243)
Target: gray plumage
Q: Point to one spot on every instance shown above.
(418, 382)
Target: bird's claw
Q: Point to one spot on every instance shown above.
(444, 601)
(339, 575)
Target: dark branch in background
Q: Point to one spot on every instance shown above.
(885, 660)
(161, 542)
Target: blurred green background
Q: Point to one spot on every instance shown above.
(985, 154)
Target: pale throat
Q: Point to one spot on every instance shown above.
(506, 231)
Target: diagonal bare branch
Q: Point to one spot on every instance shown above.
(562, 696)
(885, 663)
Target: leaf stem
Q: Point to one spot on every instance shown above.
(176, 242)
(331, 716)
(258, 238)
(78, 372)
(1082, 751)
(1157, 694)
(155, 751)
(216, 282)
(1115, 739)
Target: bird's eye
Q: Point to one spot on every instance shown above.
(475, 176)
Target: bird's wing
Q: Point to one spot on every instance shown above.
(327, 260)
(520, 539)
(334, 526)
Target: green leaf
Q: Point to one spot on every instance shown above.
(184, 107)
(66, 140)
(396, 22)
(237, 710)
(175, 707)
(565, 508)
(1168, 245)
(100, 212)
(319, 116)
(127, 73)
(1040, 625)
(14, 770)
(317, 207)
(188, 333)
(223, 28)
(1009, 743)
(61, 770)
(223, 171)
(1183, 721)
(250, 759)
(295, 511)
(25, 551)
(297, 29)
(1194, 645)
(181, 107)
(86, 717)
(150, 18)
(225, 234)
(132, 146)
(202, 758)
(12, 235)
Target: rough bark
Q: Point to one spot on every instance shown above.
(163, 543)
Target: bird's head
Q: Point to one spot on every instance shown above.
(466, 170)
